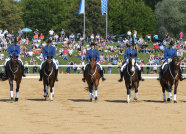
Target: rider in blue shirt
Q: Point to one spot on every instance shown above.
(48, 51)
(169, 53)
(129, 51)
(15, 49)
(93, 53)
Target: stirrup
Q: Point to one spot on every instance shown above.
(57, 79)
(40, 79)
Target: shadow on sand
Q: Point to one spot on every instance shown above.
(79, 100)
(5, 100)
(116, 101)
(36, 99)
(154, 101)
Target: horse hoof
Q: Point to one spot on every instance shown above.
(12, 99)
(168, 99)
(96, 98)
(16, 99)
(175, 101)
(135, 99)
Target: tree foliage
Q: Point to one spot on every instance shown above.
(131, 15)
(171, 16)
(46, 14)
(95, 22)
(10, 15)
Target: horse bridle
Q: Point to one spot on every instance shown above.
(174, 78)
(11, 68)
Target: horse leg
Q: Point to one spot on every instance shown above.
(128, 95)
(17, 90)
(11, 89)
(170, 93)
(91, 92)
(96, 94)
(164, 96)
(175, 91)
(51, 93)
(136, 93)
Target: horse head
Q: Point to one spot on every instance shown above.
(176, 62)
(93, 63)
(14, 60)
(132, 62)
(49, 63)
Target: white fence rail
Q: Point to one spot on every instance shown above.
(101, 65)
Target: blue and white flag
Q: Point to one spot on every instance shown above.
(82, 7)
(103, 6)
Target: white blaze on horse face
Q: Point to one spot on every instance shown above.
(133, 62)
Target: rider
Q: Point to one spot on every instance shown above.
(93, 53)
(14, 49)
(128, 52)
(48, 50)
(169, 53)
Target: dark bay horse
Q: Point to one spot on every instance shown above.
(170, 77)
(92, 77)
(14, 72)
(131, 77)
(49, 78)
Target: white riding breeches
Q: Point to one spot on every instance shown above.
(125, 64)
(96, 63)
(8, 59)
(166, 62)
(54, 61)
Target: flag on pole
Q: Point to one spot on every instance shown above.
(103, 6)
(82, 7)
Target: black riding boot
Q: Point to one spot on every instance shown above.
(56, 75)
(23, 73)
(121, 77)
(41, 75)
(83, 79)
(102, 75)
(181, 76)
(139, 75)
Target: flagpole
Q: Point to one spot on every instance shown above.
(84, 36)
(106, 20)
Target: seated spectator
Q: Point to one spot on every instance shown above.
(65, 54)
(148, 37)
(115, 61)
(121, 51)
(161, 48)
(102, 58)
(156, 47)
(70, 51)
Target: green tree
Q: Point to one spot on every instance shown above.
(10, 15)
(171, 17)
(131, 15)
(46, 14)
(95, 21)
(151, 3)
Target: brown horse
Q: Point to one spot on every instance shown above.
(49, 78)
(170, 77)
(14, 72)
(92, 77)
(130, 74)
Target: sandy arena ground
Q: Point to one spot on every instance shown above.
(72, 113)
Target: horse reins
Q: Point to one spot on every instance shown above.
(174, 78)
(48, 75)
(93, 73)
(12, 70)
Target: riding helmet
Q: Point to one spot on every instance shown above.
(171, 43)
(49, 41)
(92, 44)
